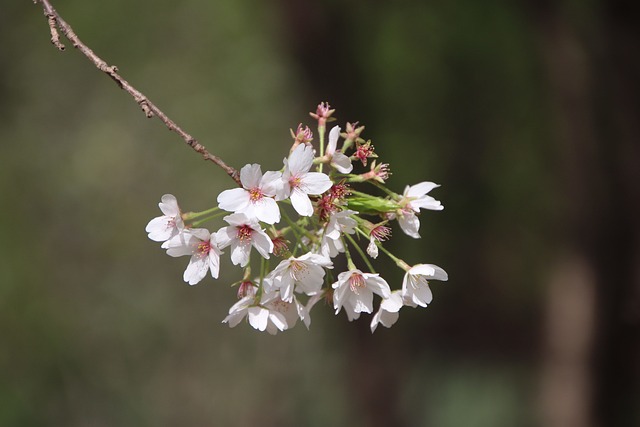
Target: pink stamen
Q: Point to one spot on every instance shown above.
(255, 195)
(356, 281)
(244, 233)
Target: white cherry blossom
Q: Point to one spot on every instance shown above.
(354, 291)
(415, 285)
(388, 313)
(298, 183)
(243, 233)
(304, 274)
(415, 198)
(271, 314)
(165, 227)
(338, 160)
(203, 249)
(255, 198)
(340, 222)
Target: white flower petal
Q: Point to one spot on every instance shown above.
(334, 134)
(426, 202)
(250, 176)
(410, 224)
(238, 219)
(315, 183)
(377, 284)
(161, 228)
(393, 304)
(225, 236)
(196, 270)
(214, 262)
(240, 253)
(267, 210)
(271, 183)
(301, 160)
(420, 189)
(233, 200)
(262, 243)
(301, 203)
(258, 317)
(169, 205)
(341, 162)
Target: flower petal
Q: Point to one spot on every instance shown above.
(420, 189)
(393, 304)
(410, 224)
(233, 200)
(301, 203)
(334, 134)
(258, 317)
(169, 205)
(341, 162)
(301, 160)
(315, 183)
(225, 236)
(196, 270)
(262, 243)
(271, 183)
(267, 210)
(250, 176)
(240, 253)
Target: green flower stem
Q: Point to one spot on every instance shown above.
(347, 253)
(294, 229)
(209, 218)
(247, 273)
(321, 130)
(400, 263)
(385, 189)
(361, 253)
(188, 216)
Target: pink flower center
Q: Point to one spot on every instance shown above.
(255, 194)
(295, 181)
(244, 233)
(356, 281)
(203, 248)
(381, 233)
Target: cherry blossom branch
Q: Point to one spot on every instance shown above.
(56, 22)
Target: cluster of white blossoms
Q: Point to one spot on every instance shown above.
(331, 218)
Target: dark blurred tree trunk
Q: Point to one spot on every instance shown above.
(593, 299)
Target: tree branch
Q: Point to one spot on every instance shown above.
(149, 108)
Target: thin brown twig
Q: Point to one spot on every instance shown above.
(56, 22)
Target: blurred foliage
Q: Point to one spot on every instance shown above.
(98, 328)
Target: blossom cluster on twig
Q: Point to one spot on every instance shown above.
(331, 218)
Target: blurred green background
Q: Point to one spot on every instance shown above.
(527, 112)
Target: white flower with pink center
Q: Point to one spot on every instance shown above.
(338, 160)
(203, 249)
(243, 233)
(340, 222)
(415, 198)
(255, 198)
(354, 291)
(165, 227)
(415, 285)
(303, 274)
(298, 183)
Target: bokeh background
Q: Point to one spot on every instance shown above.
(527, 112)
